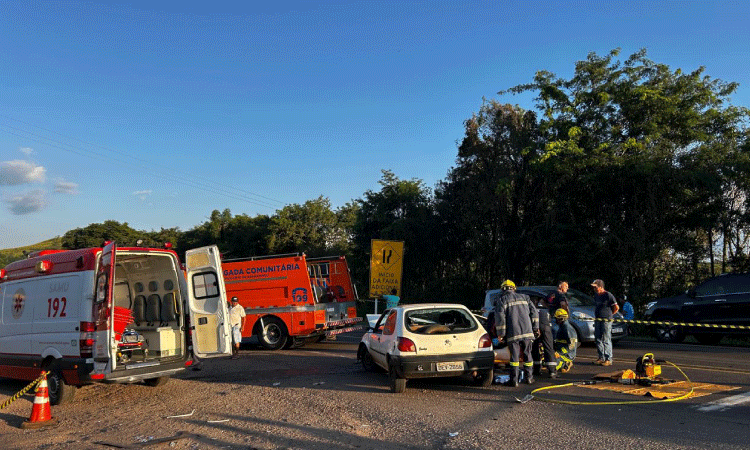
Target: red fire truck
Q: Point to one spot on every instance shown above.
(290, 299)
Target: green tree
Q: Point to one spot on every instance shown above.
(491, 202)
(95, 234)
(402, 210)
(313, 228)
(641, 156)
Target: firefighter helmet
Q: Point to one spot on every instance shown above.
(561, 314)
(507, 284)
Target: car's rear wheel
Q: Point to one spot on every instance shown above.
(709, 338)
(398, 385)
(484, 377)
(671, 334)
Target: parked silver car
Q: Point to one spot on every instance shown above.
(581, 310)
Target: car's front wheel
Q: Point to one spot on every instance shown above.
(367, 362)
(671, 334)
(398, 385)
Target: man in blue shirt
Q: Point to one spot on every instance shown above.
(391, 301)
(627, 309)
(606, 307)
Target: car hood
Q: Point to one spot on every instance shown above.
(673, 301)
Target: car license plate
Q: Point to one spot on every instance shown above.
(617, 330)
(449, 366)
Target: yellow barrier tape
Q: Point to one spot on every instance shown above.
(24, 390)
(661, 322)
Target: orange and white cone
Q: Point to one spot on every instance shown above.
(41, 413)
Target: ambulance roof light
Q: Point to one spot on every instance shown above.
(44, 266)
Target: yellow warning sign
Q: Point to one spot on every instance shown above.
(386, 267)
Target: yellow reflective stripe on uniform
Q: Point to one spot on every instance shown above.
(514, 364)
(528, 364)
(521, 336)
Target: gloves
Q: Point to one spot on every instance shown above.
(537, 333)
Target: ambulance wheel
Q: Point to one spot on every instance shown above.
(156, 382)
(484, 378)
(60, 392)
(272, 335)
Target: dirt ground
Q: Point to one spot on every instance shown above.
(298, 399)
(319, 397)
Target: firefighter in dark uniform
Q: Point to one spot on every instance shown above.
(566, 341)
(544, 343)
(516, 323)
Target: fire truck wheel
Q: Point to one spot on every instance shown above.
(60, 393)
(155, 382)
(272, 335)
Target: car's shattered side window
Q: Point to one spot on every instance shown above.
(437, 321)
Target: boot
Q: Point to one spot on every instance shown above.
(513, 381)
(529, 378)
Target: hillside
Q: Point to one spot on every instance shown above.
(9, 255)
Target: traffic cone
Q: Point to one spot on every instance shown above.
(41, 414)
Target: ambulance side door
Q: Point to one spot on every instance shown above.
(102, 307)
(209, 314)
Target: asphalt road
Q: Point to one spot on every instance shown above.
(318, 397)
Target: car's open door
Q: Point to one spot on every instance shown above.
(209, 316)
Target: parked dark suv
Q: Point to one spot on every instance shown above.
(723, 300)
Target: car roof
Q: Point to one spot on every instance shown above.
(431, 306)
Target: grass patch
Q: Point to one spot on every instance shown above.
(10, 255)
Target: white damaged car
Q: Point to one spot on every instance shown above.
(428, 340)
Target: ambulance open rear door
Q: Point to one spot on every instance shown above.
(209, 315)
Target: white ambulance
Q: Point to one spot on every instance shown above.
(111, 315)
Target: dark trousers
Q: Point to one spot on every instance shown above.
(544, 341)
(516, 349)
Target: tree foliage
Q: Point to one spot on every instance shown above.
(629, 171)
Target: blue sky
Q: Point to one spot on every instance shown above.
(156, 113)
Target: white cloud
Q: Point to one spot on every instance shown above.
(28, 151)
(142, 194)
(27, 202)
(20, 172)
(66, 187)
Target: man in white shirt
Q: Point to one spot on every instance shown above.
(237, 322)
